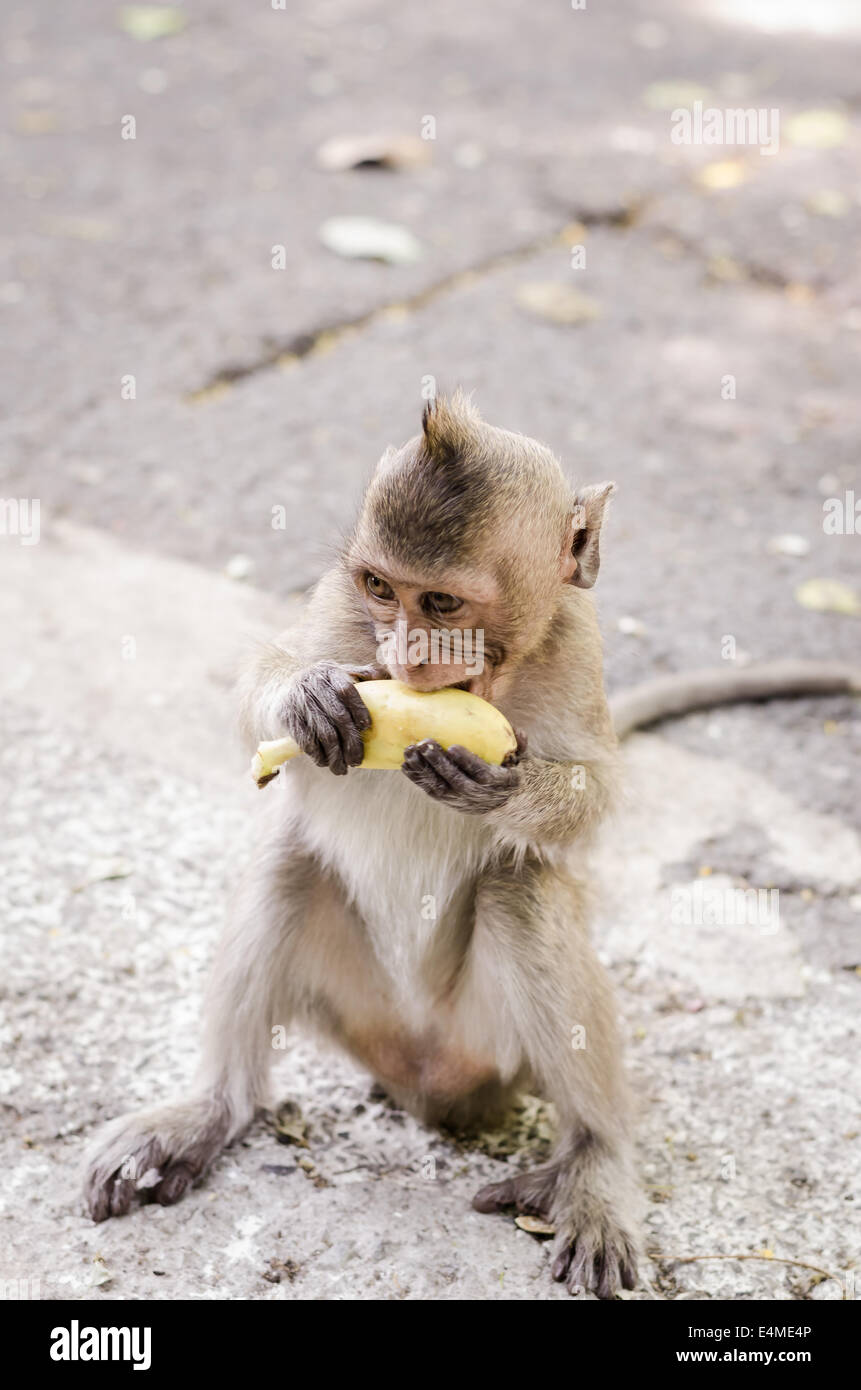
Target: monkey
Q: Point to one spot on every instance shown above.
(434, 924)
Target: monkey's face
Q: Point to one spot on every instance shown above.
(430, 636)
(468, 536)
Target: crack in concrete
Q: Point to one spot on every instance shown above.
(311, 342)
(750, 271)
(294, 349)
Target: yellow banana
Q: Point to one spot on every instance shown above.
(401, 716)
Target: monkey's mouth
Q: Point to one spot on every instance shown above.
(455, 685)
(428, 678)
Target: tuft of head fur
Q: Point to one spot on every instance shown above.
(462, 489)
(450, 428)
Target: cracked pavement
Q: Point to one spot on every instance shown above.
(125, 806)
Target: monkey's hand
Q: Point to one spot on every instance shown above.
(324, 714)
(461, 779)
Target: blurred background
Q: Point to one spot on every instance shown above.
(238, 243)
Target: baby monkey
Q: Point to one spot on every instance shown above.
(435, 923)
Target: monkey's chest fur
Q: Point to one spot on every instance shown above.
(400, 875)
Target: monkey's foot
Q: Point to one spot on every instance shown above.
(530, 1194)
(154, 1155)
(592, 1252)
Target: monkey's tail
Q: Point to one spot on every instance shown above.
(679, 694)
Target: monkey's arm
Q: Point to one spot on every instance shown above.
(262, 685)
(555, 803)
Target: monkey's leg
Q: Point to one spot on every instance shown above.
(532, 953)
(162, 1151)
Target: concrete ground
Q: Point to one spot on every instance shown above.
(125, 804)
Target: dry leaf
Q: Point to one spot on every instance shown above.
(469, 155)
(789, 544)
(667, 96)
(723, 173)
(101, 1274)
(291, 1128)
(535, 1226)
(147, 22)
(36, 122)
(558, 302)
(817, 129)
(368, 239)
(529, 1129)
(828, 596)
(372, 152)
(800, 294)
(210, 393)
(725, 268)
(828, 202)
(82, 228)
(277, 1268)
(104, 870)
(239, 567)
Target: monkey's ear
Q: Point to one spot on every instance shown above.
(581, 555)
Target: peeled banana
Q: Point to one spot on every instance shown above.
(401, 716)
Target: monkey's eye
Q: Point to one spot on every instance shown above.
(441, 603)
(378, 587)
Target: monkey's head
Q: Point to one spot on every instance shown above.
(467, 538)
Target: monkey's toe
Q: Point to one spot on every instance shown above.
(530, 1194)
(99, 1204)
(122, 1196)
(177, 1179)
(109, 1195)
(496, 1196)
(595, 1261)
